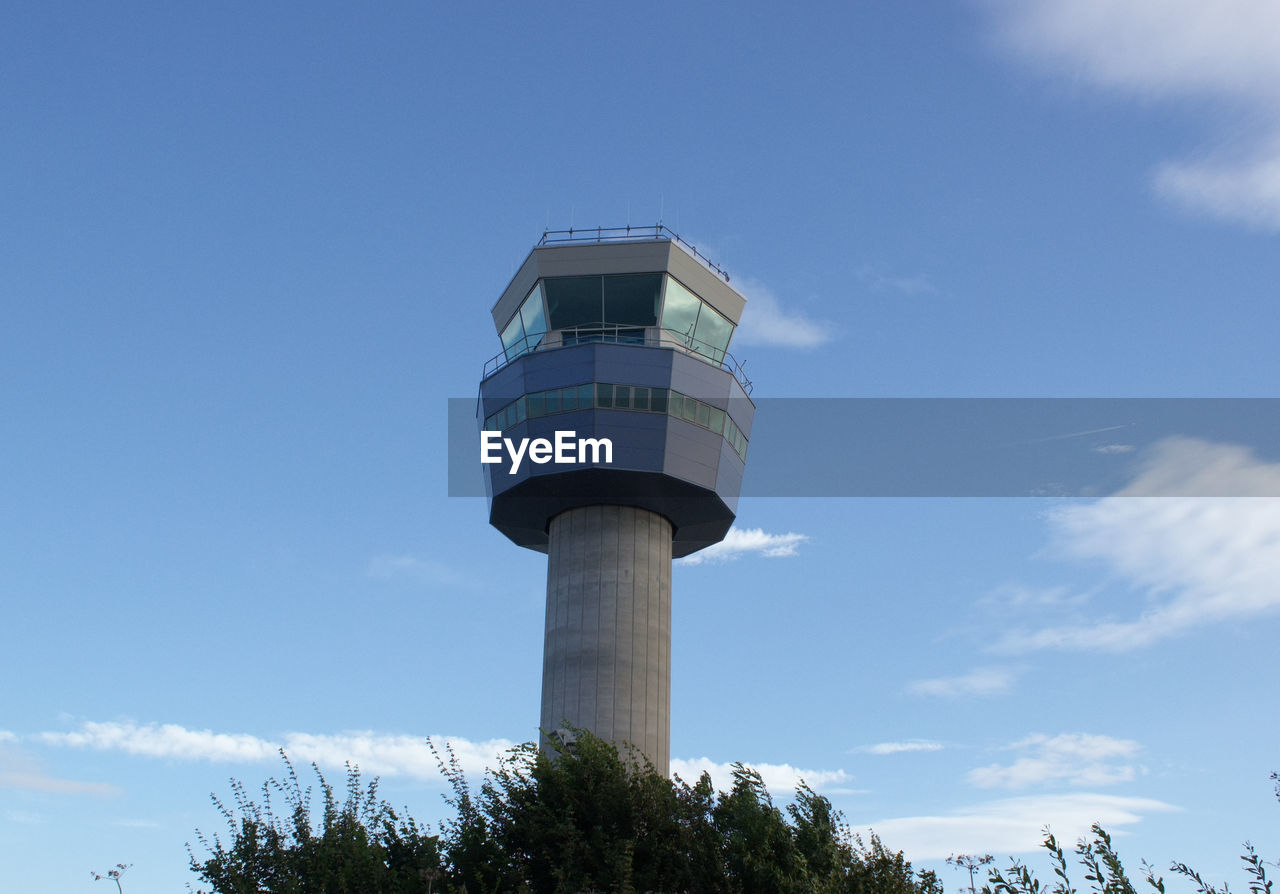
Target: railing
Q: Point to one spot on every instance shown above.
(622, 334)
(657, 233)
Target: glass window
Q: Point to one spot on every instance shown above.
(585, 395)
(632, 299)
(704, 415)
(569, 398)
(553, 401)
(640, 398)
(690, 408)
(531, 313)
(717, 420)
(680, 309)
(712, 334)
(573, 300)
(537, 405)
(513, 339)
(658, 400)
(604, 395)
(519, 405)
(621, 397)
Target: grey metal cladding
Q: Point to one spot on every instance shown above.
(699, 379)
(692, 453)
(741, 410)
(729, 473)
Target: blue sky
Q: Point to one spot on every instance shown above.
(247, 253)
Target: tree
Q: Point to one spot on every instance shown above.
(358, 845)
(581, 817)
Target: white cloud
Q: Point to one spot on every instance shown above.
(1078, 759)
(423, 571)
(165, 740)
(1014, 596)
(780, 779)
(910, 285)
(766, 322)
(983, 681)
(1247, 189)
(384, 755)
(743, 541)
(1226, 52)
(1011, 825)
(1114, 448)
(1195, 560)
(901, 747)
(20, 771)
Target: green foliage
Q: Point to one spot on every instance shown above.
(358, 845)
(581, 818)
(584, 818)
(1106, 873)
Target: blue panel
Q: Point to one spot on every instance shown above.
(634, 365)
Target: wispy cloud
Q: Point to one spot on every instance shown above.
(901, 747)
(767, 322)
(1176, 50)
(741, 542)
(39, 782)
(386, 755)
(983, 681)
(780, 779)
(1010, 825)
(20, 771)
(1018, 597)
(912, 285)
(1193, 560)
(1077, 759)
(427, 572)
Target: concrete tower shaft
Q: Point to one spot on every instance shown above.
(606, 664)
(622, 337)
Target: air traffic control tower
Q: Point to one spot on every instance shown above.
(617, 334)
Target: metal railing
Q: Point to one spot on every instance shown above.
(655, 233)
(622, 334)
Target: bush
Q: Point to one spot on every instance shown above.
(582, 818)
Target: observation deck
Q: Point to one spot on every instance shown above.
(620, 333)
